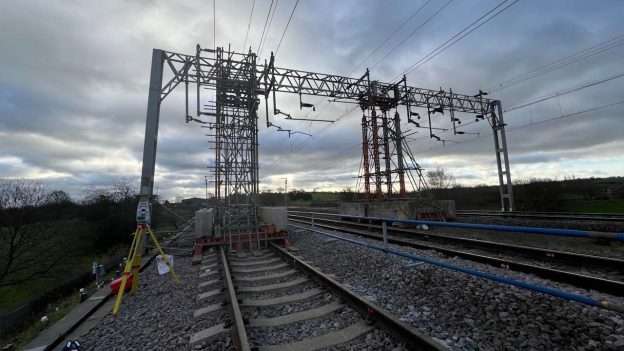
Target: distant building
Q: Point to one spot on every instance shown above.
(194, 202)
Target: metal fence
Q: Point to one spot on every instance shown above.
(24, 313)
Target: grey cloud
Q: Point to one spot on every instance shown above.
(74, 76)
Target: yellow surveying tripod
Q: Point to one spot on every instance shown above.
(134, 260)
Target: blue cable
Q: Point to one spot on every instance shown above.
(501, 228)
(542, 289)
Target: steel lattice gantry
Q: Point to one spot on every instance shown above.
(238, 80)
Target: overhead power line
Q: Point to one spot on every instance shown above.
(383, 42)
(307, 141)
(266, 35)
(564, 92)
(214, 23)
(265, 26)
(528, 125)
(253, 5)
(412, 33)
(538, 100)
(286, 155)
(601, 107)
(287, 24)
(565, 61)
(457, 37)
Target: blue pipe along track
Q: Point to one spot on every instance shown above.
(501, 228)
(532, 287)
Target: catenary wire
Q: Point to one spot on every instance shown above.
(266, 35)
(564, 92)
(287, 24)
(565, 61)
(457, 37)
(383, 42)
(265, 26)
(253, 5)
(548, 120)
(412, 33)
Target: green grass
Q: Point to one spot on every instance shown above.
(22, 336)
(603, 206)
(299, 203)
(325, 196)
(55, 312)
(16, 295)
(78, 259)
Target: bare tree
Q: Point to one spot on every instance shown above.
(25, 251)
(57, 197)
(117, 192)
(440, 178)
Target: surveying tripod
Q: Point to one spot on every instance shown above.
(134, 257)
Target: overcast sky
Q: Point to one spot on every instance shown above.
(74, 82)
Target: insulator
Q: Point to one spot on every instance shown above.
(438, 109)
(481, 93)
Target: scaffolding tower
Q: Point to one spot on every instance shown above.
(234, 120)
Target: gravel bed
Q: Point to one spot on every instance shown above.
(466, 312)
(216, 286)
(373, 341)
(303, 330)
(221, 342)
(210, 301)
(272, 281)
(282, 310)
(250, 258)
(598, 226)
(254, 265)
(581, 245)
(269, 295)
(263, 273)
(606, 273)
(158, 316)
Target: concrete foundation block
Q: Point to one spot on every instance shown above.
(204, 220)
(354, 209)
(277, 216)
(405, 210)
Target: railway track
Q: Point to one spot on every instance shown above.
(597, 217)
(488, 252)
(275, 301)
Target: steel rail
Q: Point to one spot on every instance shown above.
(599, 217)
(587, 282)
(239, 333)
(415, 339)
(501, 228)
(509, 281)
(573, 258)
